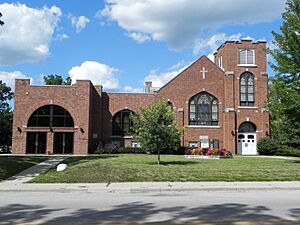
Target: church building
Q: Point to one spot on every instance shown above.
(219, 105)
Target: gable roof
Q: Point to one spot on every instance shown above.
(202, 57)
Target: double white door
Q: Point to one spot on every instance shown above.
(247, 144)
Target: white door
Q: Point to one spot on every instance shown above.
(247, 144)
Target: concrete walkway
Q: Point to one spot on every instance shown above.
(33, 171)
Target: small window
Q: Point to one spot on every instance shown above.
(193, 144)
(246, 57)
(250, 136)
(220, 61)
(241, 136)
(135, 145)
(215, 143)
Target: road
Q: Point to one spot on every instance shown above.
(183, 207)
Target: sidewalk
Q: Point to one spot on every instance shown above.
(153, 186)
(34, 171)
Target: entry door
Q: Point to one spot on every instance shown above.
(36, 142)
(63, 143)
(247, 144)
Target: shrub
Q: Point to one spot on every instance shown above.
(288, 151)
(267, 146)
(121, 150)
(209, 151)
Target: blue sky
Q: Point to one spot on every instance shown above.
(122, 43)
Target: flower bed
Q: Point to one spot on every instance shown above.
(207, 153)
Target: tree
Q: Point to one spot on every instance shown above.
(285, 90)
(1, 22)
(155, 128)
(56, 80)
(6, 114)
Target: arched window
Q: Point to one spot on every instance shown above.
(51, 116)
(122, 124)
(247, 127)
(203, 109)
(246, 56)
(247, 89)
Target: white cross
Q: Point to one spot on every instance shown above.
(203, 71)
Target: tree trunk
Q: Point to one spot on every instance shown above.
(158, 156)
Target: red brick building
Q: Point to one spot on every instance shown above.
(220, 105)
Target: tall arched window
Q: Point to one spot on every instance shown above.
(247, 89)
(51, 116)
(122, 124)
(203, 110)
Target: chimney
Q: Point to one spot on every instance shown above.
(148, 86)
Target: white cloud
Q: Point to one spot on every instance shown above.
(98, 73)
(129, 89)
(9, 78)
(179, 23)
(211, 57)
(160, 79)
(138, 37)
(79, 22)
(27, 32)
(213, 42)
(61, 37)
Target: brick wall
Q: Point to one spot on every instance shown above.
(93, 110)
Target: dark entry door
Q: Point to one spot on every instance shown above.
(63, 143)
(36, 142)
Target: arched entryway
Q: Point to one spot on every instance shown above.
(247, 139)
(50, 129)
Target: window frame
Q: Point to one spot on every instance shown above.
(245, 57)
(244, 90)
(50, 118)
(121, 116)
(211, 110)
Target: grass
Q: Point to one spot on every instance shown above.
(11, 165)
(137, 168)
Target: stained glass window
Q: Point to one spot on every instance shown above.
(203, 110)
(247, 89)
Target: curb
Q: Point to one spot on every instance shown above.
(152, 187)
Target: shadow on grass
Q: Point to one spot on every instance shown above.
(142, 213)
(81, 159)
(178, 163)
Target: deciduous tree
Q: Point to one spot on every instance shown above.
(6, 115)
(1, 22)
(285, 89)
(56, 80)
(154, 127)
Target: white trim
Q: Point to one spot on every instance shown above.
(199, 126)
(128, 137)
(247, 107)
(247, 65)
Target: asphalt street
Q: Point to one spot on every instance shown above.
(167, 207)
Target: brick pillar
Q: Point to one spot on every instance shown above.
(50, 139)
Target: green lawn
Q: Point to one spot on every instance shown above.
(136, 168)
(11, 165)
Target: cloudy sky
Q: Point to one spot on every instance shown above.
(120, 44)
